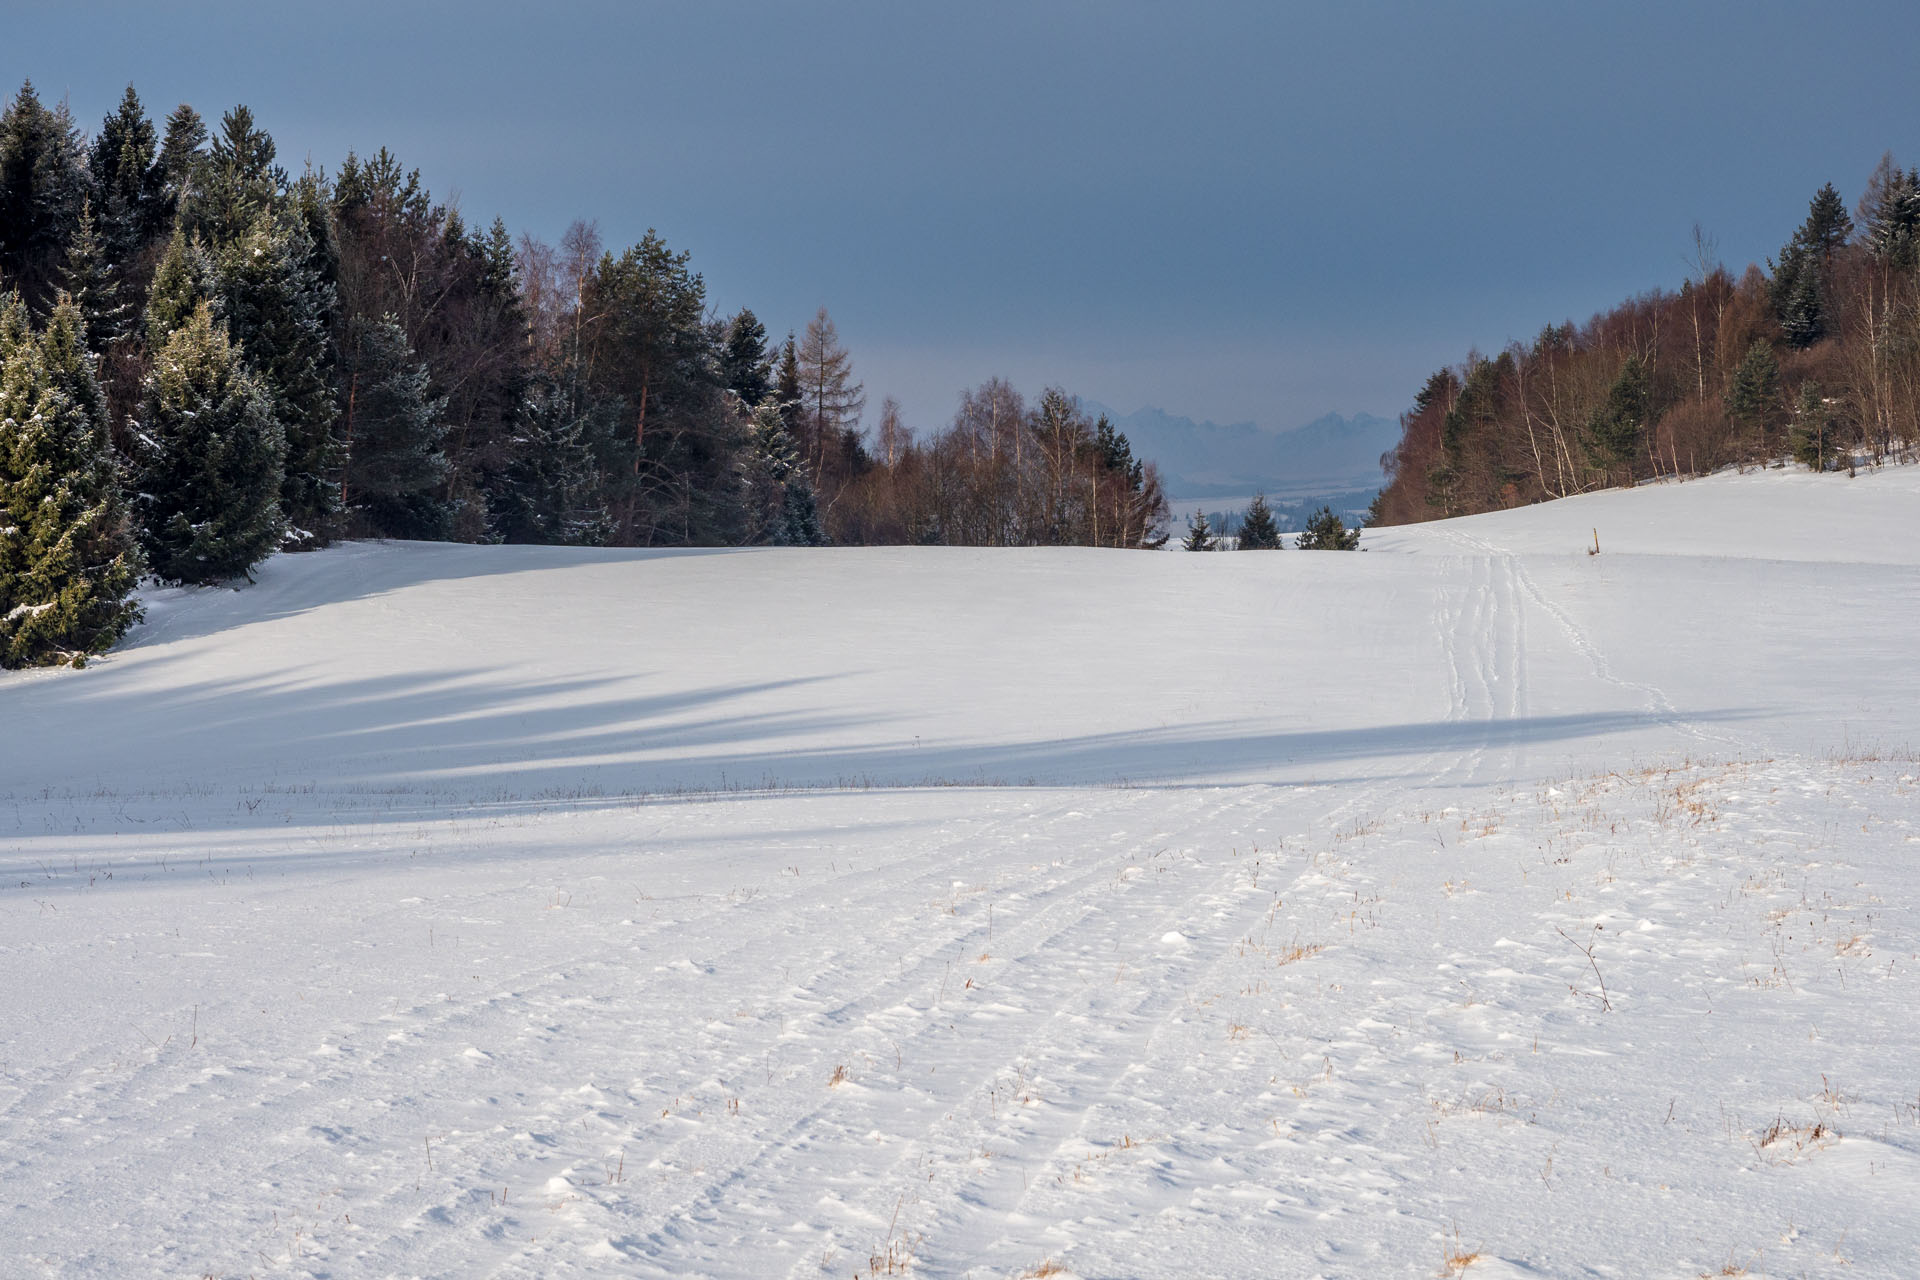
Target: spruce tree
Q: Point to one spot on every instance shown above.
(1800, 282)
(1258, 531)
(396, 462)
(550, 492)
(1816, 430)
(1615, 430)
(210, 459)
(745, 367)
(1803, 317)
(131, 184)
(1325, 532)
(182, 152)
(184, 280)
(92, 282)
(1199, 533)
(236, 183)
(1893, 216)
(1827, 226)
(788, 392)
(780, 494)
(68, 562)
(43, 178)
(280, 313)
(1753, 396)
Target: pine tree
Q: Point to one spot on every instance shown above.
(1325, 532)
(1753, 396)
(1199, 533)
(43, 178)
(396, 436)
(676, 473)
(1617, 427)
(1816, 430)
(210, 458)
(67, 557)
(1258, 531)
(780, 495)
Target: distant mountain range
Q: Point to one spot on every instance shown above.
(1328, 456)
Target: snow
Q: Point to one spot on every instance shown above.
(436, 910)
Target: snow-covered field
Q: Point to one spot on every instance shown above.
(450, 911)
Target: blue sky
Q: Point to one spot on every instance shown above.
(1235, 211)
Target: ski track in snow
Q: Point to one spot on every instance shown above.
(1630, 1000)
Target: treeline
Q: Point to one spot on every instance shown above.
(1257, 530)
(205, 357)
(1816, 357)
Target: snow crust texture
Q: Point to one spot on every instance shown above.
(1473, 906)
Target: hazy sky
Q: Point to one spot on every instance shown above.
(1257, 211)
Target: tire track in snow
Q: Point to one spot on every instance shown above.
(1653, 698)
(794, 1116)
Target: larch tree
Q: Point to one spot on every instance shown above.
(832, 400)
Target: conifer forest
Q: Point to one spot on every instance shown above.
(206, 357)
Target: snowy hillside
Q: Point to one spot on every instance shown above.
(1470, 906)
